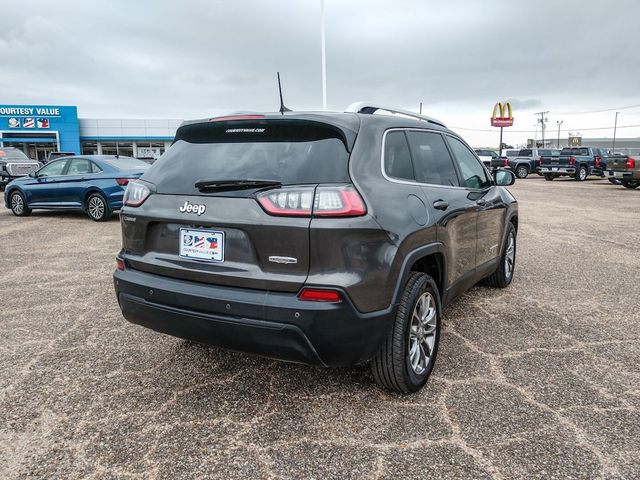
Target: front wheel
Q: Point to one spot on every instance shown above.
(18, 205)
(406, 358)
(503, 275)
(549, 176)
(97, 208)
(522, 171)
(631, 184)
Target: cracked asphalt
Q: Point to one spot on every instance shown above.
(541, 380)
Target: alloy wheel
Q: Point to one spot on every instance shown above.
(583, 174)
(422, 335)
(522, 172)
(510, 257)
(17, 204)
(96, 207)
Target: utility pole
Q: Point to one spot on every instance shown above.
(420, 108)
(324, 57)
(543, 122)
(615, 127)
(559, 122)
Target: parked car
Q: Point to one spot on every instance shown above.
(53, 155)
(486, 156)
(527, 160)
(578, 162)
(331, 239)
(15, 164)
(625, 169)
(91, 183)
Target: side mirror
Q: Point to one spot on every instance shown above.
(33, 174)
(504, 178)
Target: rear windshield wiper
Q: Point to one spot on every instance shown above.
(220, 185)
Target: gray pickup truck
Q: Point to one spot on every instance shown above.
(524, 161)
(576, 162)
(625, 168)
(14, 164)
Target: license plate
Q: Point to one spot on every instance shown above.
(618, 174)
(555, 169)
(202, 244)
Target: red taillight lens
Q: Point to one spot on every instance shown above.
(505, 162)
(119, 263)
(325, 201)
(598, 161)
(123, 182)
(319, 295)
(572, 160)
(135, 194)
(338, 202)
(631, 163)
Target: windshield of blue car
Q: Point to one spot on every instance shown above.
(127, 163)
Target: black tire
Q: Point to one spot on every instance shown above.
(549, 176)
(582, 173)
(631, 184)
(391, 367)
(502, 277)
(97, 208)
(18, 204)
(522, 171)
(615, 181)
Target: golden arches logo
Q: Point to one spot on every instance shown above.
(502, 115)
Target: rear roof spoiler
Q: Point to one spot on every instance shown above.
(371, 108)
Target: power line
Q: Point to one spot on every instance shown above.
(599, 111)
(533, 131)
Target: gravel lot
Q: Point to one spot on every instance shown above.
(541, 380)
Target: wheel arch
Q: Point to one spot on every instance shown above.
(90, 191)
(430, 259)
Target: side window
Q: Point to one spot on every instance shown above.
(79, 166)
(397, 159)
(433, 163)
(473, 172)
(95, 168)
(52, 169)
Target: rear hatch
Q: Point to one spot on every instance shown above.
(566, 158)
(205, 195)
(618, 163)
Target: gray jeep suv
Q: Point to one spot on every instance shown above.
(330, 239)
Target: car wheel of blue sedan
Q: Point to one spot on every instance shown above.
(18, 205)
(97, 208)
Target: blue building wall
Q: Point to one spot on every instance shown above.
(42, 119)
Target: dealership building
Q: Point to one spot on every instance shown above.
(40, 129)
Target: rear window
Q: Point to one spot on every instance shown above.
(525, 153)
(287, 153)
(512, 153)
(574, 151)
(127, 163)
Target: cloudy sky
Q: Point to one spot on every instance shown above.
(196, 58)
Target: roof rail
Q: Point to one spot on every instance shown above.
(369, 107)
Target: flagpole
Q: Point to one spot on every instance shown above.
(324, 57)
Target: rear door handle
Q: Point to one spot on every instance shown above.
(440, 205)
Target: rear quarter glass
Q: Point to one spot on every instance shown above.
(290, 153)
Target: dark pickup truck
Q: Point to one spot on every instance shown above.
(576, 162)
(525, 161)
(626, 169)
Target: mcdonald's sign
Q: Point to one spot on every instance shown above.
(502, 115)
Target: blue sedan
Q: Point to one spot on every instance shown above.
(91, 183)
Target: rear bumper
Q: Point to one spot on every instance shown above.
(556, 170)
(270, 324)
(618, 174)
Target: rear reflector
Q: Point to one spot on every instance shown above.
(119, 264)
(319, 295)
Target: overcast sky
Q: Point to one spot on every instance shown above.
(191, 59)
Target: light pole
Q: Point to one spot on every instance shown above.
(559, 122)
(615, 127)
(324, 57)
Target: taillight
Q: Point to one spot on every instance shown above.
(135, 194)
(325, 201)
(505, 162)
(572, 160)
(319, 295)
(123, 182)
(598, 160)
(631, 163)
(119, 263)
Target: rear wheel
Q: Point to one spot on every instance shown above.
(97, 208)
(503, 275)
(631, 183)
(18, 204)
(582, 173)
(522, 171)
(407, 356)
(549, 176)
(615, 181)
